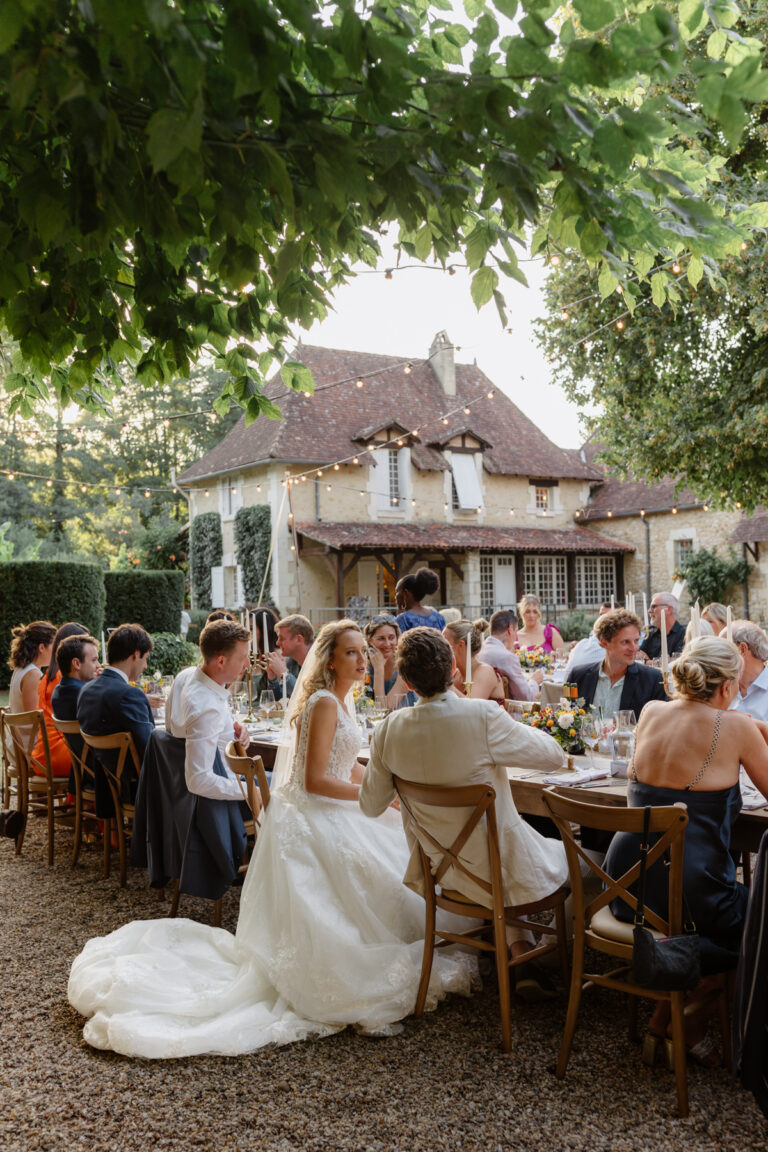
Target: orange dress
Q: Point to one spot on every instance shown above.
(60, 758)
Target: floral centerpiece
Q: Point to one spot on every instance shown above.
(533, 658)
(562, 722)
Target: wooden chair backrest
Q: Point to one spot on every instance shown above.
(122, 743)
(72, 728)
(667, 823)
(251, 767)
(480, 800)
(22, 744)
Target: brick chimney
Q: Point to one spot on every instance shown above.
(441, 359)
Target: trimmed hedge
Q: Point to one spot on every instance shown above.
(152, 599)
(55, 590)
(170, 654)
(206, 549)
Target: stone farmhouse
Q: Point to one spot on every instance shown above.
(395, 463)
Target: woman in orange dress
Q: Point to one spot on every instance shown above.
(59, 749)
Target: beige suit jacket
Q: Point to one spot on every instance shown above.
(449, 741)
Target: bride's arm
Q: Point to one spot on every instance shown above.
(322, 726)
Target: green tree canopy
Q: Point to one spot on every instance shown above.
(180, 178)
(674, 376)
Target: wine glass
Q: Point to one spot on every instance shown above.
(267, 704)
(607, 727)
(590, 734)
(379, 710)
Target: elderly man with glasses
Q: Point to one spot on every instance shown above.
(650, 649)
(752, 643)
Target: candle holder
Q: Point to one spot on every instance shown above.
(467, 687)
(249, 675)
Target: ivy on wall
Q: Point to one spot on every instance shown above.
(253, 528)
(206, 549)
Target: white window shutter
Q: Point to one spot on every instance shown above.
(381, 478)
(217, 587)
(465, 478)
(239, 590)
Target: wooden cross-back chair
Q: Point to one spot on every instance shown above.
(84, 790)
(594, 923)
(37, 790)
(256, 786)
(479, 801)
(127, 757)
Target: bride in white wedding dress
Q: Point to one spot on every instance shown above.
(328, 935)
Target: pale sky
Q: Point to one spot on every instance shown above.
(401, 316)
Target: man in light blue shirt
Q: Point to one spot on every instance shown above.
(752, 643)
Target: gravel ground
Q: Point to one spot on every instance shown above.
(443, 1084)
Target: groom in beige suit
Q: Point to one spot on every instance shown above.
(448, 740)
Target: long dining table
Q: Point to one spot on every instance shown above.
(528, 788)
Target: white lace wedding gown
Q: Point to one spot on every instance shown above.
(328, 936)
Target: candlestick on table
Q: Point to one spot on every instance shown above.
(695, 622)
(468, 666)
(729, 624)
(265, 634)
(254, 641)
(613, 601)
(103, 650)
(664, 654)
(646, 622)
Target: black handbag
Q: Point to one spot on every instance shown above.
(672, 964)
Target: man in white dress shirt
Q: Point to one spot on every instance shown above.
(498, 650)
(752, 696)
(198, 709)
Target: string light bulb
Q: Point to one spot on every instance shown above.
(554, 260)
(706, 507)
(320, 472)
(358, 383)
(11, 476)
(388, 274)
(147, 493)
(355, 459)
(336, 467)
(467, 411)
(674, 511)
(619, 324)
(452, 270)
(408, 369)
(49, 483)
(675, 268)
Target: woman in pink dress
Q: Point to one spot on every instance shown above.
(533, 633)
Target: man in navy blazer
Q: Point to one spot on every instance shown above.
(78, 661)
(111, 703)
(617, 682)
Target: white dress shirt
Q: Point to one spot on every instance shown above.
(587, 651)
(197, 711)
(755, 700)
(497, 655)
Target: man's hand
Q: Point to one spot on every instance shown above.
(538, 676)
(276, 666)
(242, 735)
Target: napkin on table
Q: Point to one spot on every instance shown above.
(579, 776)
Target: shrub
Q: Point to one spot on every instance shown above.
(170, 654)
(252, 533)
(575, 625)
(206, 549)
(198, 617)
(163, 546)
(710, 577)
(152, 599)
(57, 590)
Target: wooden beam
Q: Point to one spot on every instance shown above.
(453, 565)
(348, 567)
(386, 565)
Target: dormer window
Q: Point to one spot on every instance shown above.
(389, 480)
(543, 497)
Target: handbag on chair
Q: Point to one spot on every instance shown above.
(673, 963)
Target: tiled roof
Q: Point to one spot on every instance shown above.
(751, 528)
(321, 428)
(630, 495)
(457, 537)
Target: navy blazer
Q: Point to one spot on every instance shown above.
(107, 705)
(641, 684)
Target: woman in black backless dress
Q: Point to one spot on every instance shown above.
(689, 751)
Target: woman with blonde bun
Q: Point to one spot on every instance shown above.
(486, 681)
(689, 751)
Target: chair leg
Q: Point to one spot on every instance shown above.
(78, 819)
(562, 942)
(678, 1052)
(107, 832)
(50, 825)
(725, 1026)
(427, 957)
(574, 1000)
(502, 972)
(175, 900)
(217, 913)
(121, 849)
(23, 803)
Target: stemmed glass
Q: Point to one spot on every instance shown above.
(590, 734)
(267, 704)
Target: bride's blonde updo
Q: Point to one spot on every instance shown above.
(321, 654)
(459, 630)
(703, 666)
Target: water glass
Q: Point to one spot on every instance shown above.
(267, 704)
